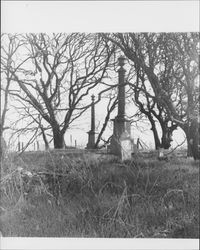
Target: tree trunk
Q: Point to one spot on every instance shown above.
(166, 137)
(58, 139)
(107, 119)
(155, 134)
(102, 130)
(189, 146)
(166, 142)
(192, 131)
(154, 129)
(2, 147)
(44, 139)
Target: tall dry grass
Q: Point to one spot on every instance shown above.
(90, 195)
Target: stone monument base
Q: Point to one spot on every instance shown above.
(91, 140)
(122, 146)
(121, 142)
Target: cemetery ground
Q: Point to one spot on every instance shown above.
(59, 194)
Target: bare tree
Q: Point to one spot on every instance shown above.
(155, 113)
(55, 73)
(8, 54)
(170, 63)
(33, 124)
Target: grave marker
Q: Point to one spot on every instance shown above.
(126, 146)
(121, 141)
(91, 133)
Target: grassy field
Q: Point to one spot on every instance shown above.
(93, 195)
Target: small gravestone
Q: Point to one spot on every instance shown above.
(162, 154)
(91, 133)
(126, 146)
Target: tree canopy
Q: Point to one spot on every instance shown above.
(167, 72)
(54, 74)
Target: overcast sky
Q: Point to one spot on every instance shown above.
(94, 16)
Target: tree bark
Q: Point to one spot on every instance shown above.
(166, 135)
(44, 138)
(45, 141)
(189, 146)
(156, 138)
(165, 141)
(2, 147)
(155, 133)
(58, 139)
(192, 131)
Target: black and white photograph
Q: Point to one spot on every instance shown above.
(100, 127)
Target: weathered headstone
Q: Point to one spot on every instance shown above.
(91, 133)
(126, 146)
(163, 154)
(121, 141)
